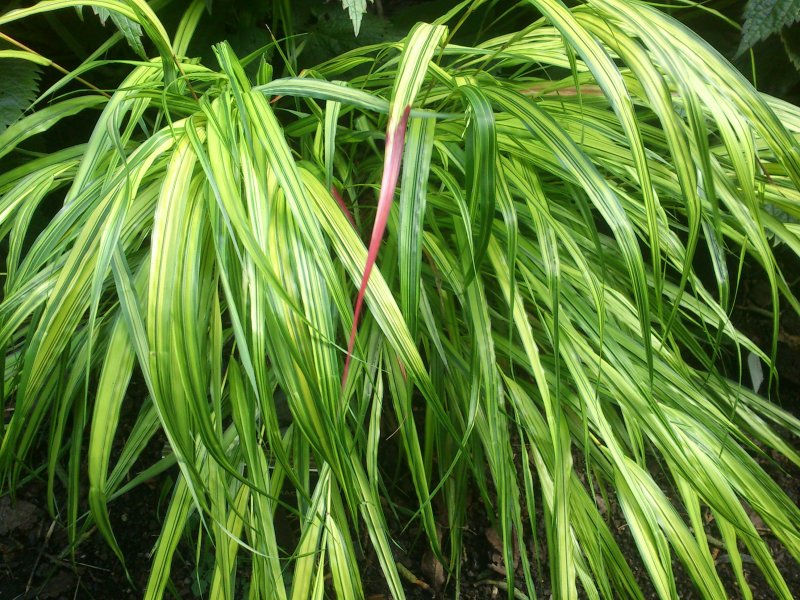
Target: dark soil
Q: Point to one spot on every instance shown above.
(35, 560)
(35, 556)
(483, 574)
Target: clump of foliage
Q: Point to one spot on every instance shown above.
(534, 301)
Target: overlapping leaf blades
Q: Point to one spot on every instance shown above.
(510, 341)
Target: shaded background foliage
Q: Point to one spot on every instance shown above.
(316, 30)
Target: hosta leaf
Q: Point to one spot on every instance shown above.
(19, 82)
(764, 18)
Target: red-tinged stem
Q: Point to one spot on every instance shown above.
(338, 197)
(395, 136)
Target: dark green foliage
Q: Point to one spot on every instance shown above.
(330, 33)
(791, 42)
(764, 18)
(19, 83)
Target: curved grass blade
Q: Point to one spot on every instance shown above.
(480, 172)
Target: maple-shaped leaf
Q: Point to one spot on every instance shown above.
(356, 9)
(130, 29)
(763, 18)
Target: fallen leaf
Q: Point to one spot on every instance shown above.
(494, 539)
(433, 570)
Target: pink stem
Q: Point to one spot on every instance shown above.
(395, 136)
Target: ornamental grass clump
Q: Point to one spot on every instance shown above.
(534, 334)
